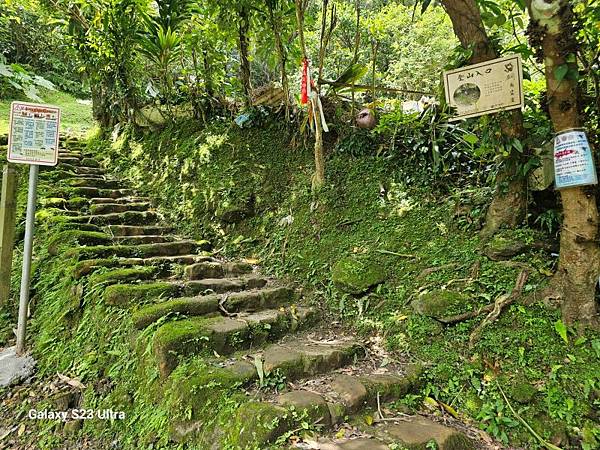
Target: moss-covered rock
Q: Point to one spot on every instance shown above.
(356, 276)
(504, 247)
(440, 304)
(122, 275)
(71, 238)
(522, 392)
(124, 295)
(256, 424)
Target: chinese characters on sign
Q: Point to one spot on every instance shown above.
(485, 88)
(33, 137)
(573, 161)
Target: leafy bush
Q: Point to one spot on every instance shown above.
(16, 81)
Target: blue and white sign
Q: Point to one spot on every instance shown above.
(573, 161)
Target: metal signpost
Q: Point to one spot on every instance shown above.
(33, 140)
(485, 88)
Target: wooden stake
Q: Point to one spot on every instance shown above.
(8, 213)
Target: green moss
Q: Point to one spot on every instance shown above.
(186, 306)
(124, 295)
(78, 202)
(136, 251)
(72, 238)
(356, 276)
(441, 303)
(256, 424)
(522, 392)
(122, 275)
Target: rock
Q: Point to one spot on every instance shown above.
(14, 368)
(419, 431)
(522, 392)
(356, 276)
(313, 404)
(440, 303)
(350, 390)
(502, 248)
(72, 427)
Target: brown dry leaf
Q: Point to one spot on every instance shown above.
(71, 381)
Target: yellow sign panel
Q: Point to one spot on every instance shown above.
(485, 88)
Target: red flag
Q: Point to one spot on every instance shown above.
(304, 87)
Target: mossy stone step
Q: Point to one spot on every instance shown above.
(137, 230)
(216, 270)
(238, 370)
(85, 170)
(254, 300)
(325, 410)
(91, 192)
(112, 208)
(74, 161)
(166, 263)
(418, 433)
(101, 201)
(124, 295)
(93, 182)
(70, 238)
(123, 275)
(90, 162)
(223, 335)
(144, 239)
(222, 285)
(138, 251)
(125, 218)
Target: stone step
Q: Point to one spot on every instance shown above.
(341, 397)
(235, 302)
(90, 181)
(69, 154)
(92, 192)
(101, 201)
(90, 162)
(144, 239)
(126, 218)
(309, 358)
(71, 238)
(124, 295)
(224, 335)
(133, 230)
(217, 270)
(113, 208)
(74, 161)
(138, 251)
(85, 170)
(419, 432)
(124, 275)
(166, 263)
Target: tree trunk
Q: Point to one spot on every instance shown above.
(208, 82)
(243, 47)
(509, 203)
(579, 262)
(282, 55)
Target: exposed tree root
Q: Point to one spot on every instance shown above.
(501, 302)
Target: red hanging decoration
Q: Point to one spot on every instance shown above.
(304, 87)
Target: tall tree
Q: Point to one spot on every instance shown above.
(243, 13)
(509, 203)
(552, 33)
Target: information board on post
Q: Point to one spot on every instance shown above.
(32, 139)
(33, 136)
(485, 88)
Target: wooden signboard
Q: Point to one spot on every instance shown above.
(485, 88)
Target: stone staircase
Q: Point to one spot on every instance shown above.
(236, 324)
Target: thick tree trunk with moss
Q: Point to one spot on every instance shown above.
(244, 49)
(579, 262)
(509, 203)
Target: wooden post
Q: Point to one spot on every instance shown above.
(8, 213)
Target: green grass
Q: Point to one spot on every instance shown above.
(76, 117)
